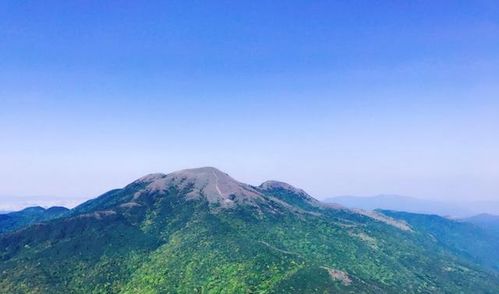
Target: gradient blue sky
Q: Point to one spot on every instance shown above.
(337, 97)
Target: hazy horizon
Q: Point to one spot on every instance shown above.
(69, 201)
(335, 98)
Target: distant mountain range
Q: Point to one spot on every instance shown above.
(25, 201)
(410, 204)
(201, 231)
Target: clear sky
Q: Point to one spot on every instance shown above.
(336, 97)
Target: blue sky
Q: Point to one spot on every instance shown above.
(337, 97)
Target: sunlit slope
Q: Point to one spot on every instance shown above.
(200, 231)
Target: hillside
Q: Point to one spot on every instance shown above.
(471, 242)
(15, 220)
(200, 231)
(486, 221)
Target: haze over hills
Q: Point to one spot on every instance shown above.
(20, 202)
(416, 205)
(201, 231)
(15, 220)
(487, 221)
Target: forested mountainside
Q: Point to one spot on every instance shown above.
(200, 231)
(28, 216)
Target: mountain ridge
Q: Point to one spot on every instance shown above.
(12, 221)
(415, 205)
(176, 233)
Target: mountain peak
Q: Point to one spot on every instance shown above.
(271, 185)
(200, 171)
(215, 185)
(150, 178)
(33, 209)
(276, 185)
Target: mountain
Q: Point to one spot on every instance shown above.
(483, 207)
(466, 239)
(28, 216)
(415, 205)
(201, 231)
(486, 221)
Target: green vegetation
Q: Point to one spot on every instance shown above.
(28, 216)
(164, 242)
(466, 240)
